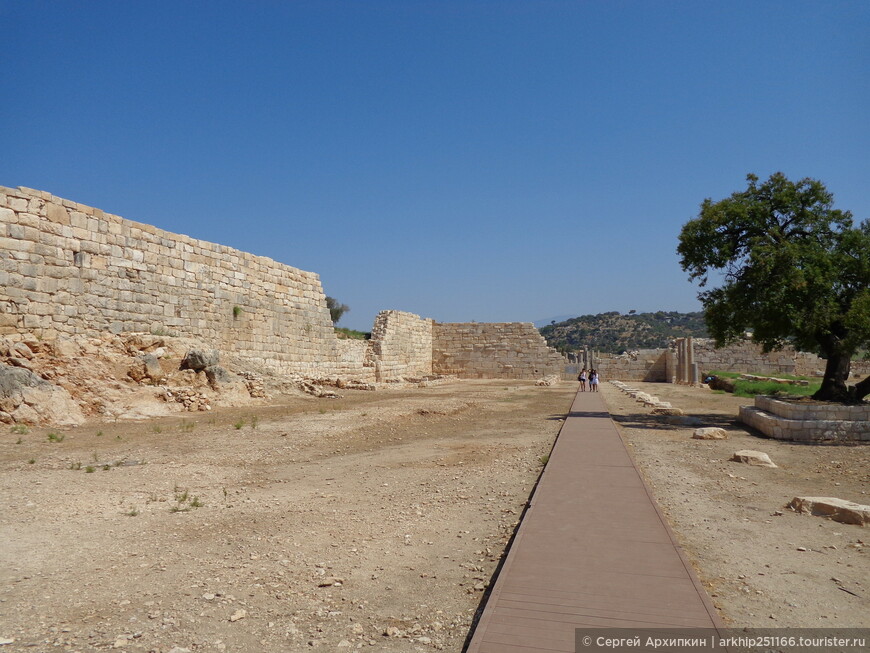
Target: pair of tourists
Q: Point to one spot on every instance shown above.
(593, 380)
(590, 375)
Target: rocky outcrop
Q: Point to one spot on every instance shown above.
(28, 399)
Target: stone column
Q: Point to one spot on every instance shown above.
(681, 362)
(670, 366)
(691, 368)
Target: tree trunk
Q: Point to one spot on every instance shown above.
(861, 390)
(836, 374)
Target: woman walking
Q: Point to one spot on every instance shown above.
(593, 380)
(582, 379)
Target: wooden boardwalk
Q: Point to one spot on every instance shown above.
(592, 551)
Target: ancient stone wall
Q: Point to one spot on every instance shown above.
(66, 268)
(401, 345)
(642, 365)
(509, 350)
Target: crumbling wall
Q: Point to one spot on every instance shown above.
(509, 350)
(401, 345)
(67, 268)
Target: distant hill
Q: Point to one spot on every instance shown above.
(615, 333)
(558, 318)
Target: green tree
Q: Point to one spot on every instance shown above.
(336, 309)
(793, 269)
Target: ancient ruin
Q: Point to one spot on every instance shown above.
(74, 277)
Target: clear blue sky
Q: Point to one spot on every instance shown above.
(463, 160)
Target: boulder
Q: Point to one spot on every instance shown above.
(710, 433)
(666, 411)
(752, 458)
(199, 359)
(839, 510)
(31, 399)
(152, 367)
(217, 375)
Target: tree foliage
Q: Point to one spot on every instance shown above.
(793, 269)
(336, 309)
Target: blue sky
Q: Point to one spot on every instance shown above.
(473, 160)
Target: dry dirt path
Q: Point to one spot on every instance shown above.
(373, 521)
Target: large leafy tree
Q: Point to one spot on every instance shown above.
(792, 269)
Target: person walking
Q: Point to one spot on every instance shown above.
(593, 380)
(582, 379)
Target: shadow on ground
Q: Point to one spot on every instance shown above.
(667, 422)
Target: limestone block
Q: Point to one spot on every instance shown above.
(710, 433)
(57, 214)
(839, 510)
(758, 458)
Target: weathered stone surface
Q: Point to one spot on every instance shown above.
(710, 433)
(217, 375)
(197, 359)
(751, 457)
(30, 399)
(152, 368)
(666, 411)
(836, 509)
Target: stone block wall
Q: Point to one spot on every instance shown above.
(509, 350)
(643, 365)
(742, 357)
(401, 345)
(67, 268)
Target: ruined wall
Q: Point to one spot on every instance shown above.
(747, 357)
(66, 268)
(401, 345)
(642, 365)
(510, 350)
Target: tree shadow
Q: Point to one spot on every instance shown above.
(677, 422)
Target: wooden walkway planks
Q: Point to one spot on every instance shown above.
(593, 550)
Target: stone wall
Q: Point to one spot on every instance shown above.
(66, 268)
(642, 365)
(401, 345)
(70, 269)
(509, 350)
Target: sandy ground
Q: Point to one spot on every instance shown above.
(376, 521)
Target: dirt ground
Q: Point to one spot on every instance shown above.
(323, 522)
(763, 564)
(376, 521)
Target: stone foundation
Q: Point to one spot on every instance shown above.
(808, 422)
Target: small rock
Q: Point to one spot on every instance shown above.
(208, 596)
(6, 640)
(121, 642)
(344, 644)
(178, 649)
(238, 614)
(750, 457)
(710, 433)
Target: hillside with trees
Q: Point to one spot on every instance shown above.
(615, 332)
